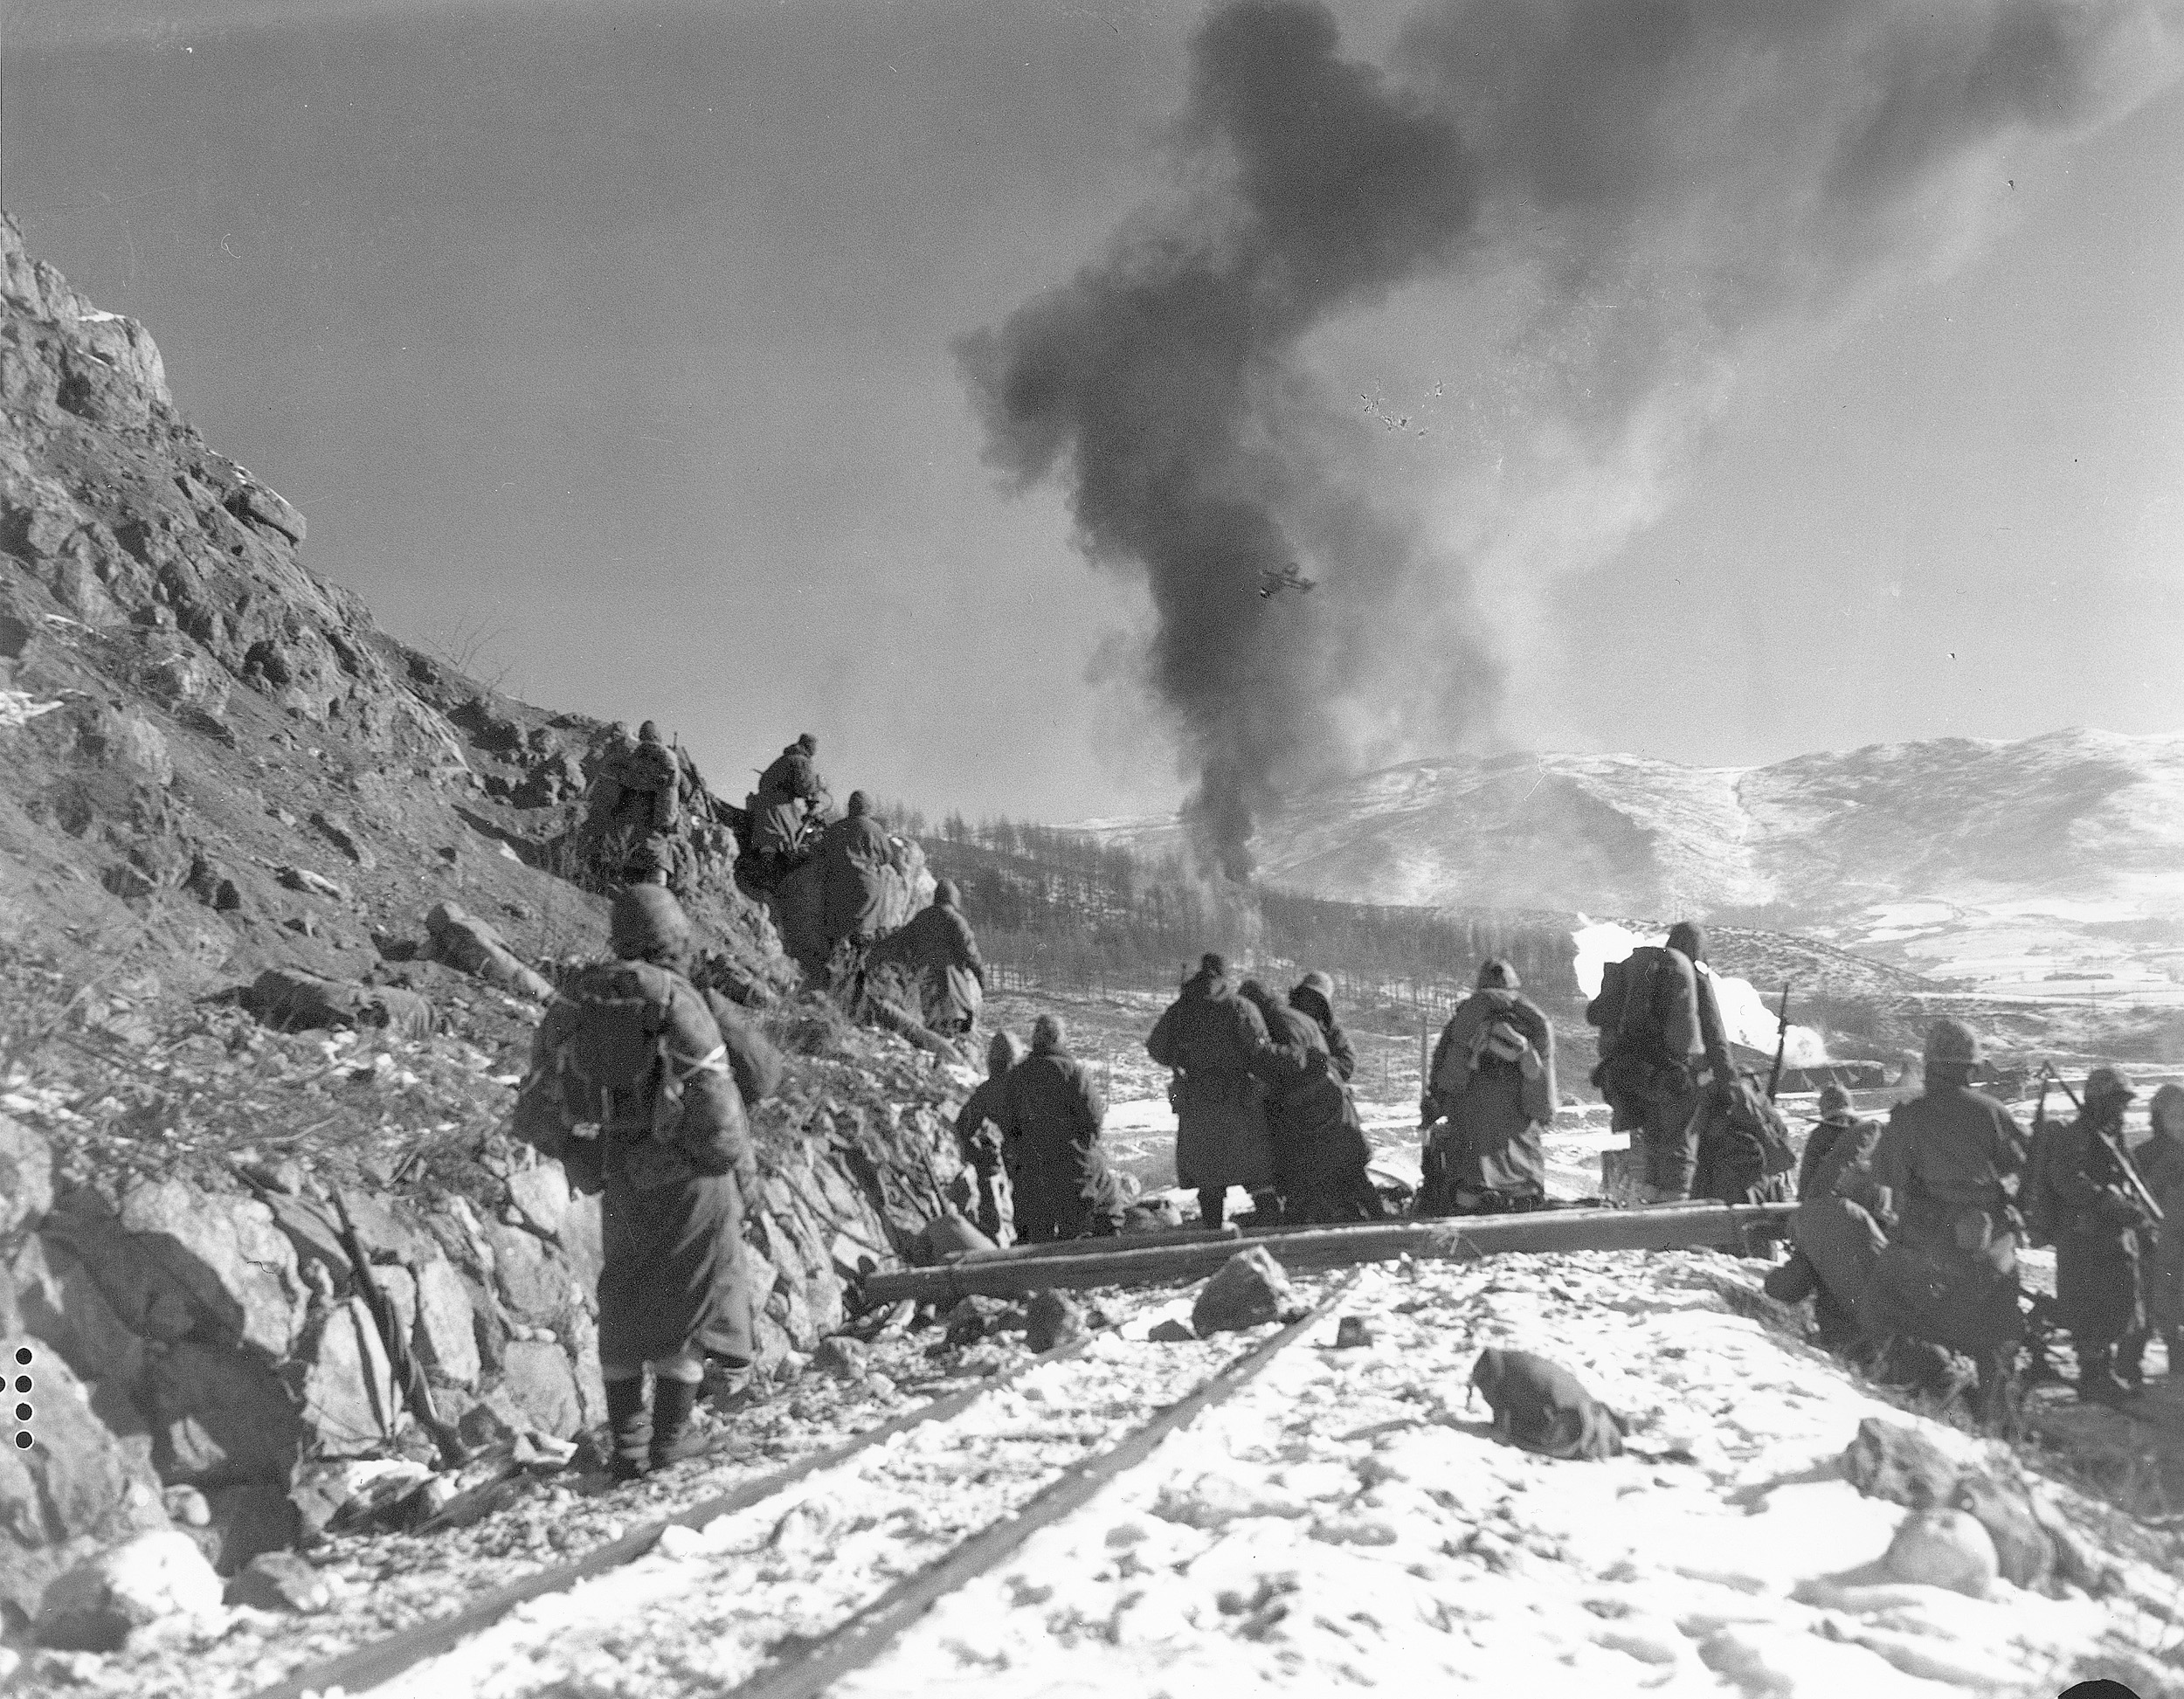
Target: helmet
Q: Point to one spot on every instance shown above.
(1950, 1041)
(649, 733)
(1688, 938)
(946, 894)
(1835, 1104)
(2109, 1085)
(1004, 1052)
(1319, 982)
(1496, 971)
(647, 921)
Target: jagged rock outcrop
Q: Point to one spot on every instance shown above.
(213, 756)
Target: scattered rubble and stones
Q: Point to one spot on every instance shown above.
(1250, 1290)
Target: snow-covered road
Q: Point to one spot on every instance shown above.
(1350, 1520)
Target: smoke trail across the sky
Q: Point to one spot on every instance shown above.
(1656, 182)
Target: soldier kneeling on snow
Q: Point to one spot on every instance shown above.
(631, 1086)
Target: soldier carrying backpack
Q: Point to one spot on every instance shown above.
(630, 1087)
(1658, 1023)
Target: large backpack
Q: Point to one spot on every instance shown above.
(634, 1037)
(1660, 1003)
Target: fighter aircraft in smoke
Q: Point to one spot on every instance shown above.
(1272, 583)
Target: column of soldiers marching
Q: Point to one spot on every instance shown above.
(1906, 1235)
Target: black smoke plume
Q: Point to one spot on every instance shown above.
(1665, 180)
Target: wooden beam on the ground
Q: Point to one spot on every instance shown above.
(1110, 1262)
(1133, 1241)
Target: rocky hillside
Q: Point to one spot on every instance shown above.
(280, 900)
(1959, 857)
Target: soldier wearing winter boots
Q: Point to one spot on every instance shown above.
(631, 1086)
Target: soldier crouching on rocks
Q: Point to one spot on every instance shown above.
(631, 1086)
(1946, 1171)
(1838, 1239)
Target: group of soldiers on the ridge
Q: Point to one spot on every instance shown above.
(1906, 1235)
(648, 815)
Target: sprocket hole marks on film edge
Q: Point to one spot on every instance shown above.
(22, 1358)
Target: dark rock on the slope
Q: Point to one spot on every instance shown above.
(254, 1517)
(345, 838)
(1171, 1331)
(1887, 1460)
(1249, 1290)
(1053, 1320)
(280, 1581)
(99, 1602)
(839, 1355)
(973, 1318)
(220, 1416)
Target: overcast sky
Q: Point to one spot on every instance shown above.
(616, 344)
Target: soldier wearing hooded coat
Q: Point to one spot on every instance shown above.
(2080, 1198)
(1946, 1171)
(1052, 1112)
(1834, 1227)
(1209, 1036)
(939, 947)
(1315, 994)
(671, 1289)
(1320, 1149)
(979, 1125)
(1492, 1084)
(2161, 1165)
(854, 857)
(788, 792)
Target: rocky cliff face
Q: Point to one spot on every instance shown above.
(217, 773)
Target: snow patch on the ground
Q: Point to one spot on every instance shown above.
(1349, 1521)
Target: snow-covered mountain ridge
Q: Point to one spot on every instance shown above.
(2040, 863)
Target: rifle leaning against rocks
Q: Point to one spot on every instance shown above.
(408, 1374)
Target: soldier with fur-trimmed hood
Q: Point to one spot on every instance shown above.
(1491, 1089)
(978, 1130)
(1209, 1036)
(1052, 1112)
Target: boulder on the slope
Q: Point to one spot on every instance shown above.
(77, 1488)
(227, 1253)
(97, 1604)
(1943, 1548)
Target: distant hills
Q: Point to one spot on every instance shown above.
(2050, 867)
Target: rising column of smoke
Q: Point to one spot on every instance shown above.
(1154, 383)
(1670, 181)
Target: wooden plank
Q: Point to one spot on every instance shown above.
(1135, 1241)
(862, 1640)
(381, 1660)
(1458, 1239)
